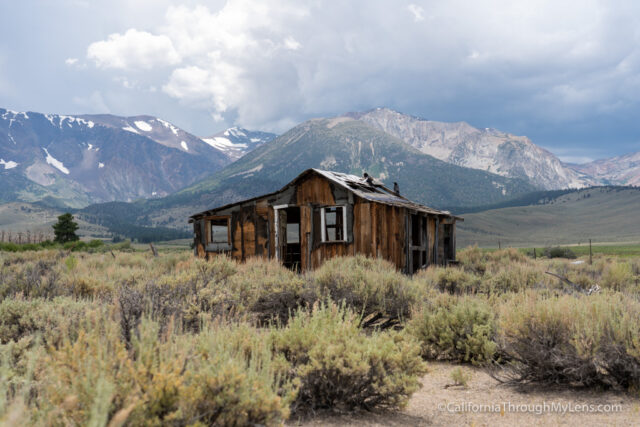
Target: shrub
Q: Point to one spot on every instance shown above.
(224, 376)
(262, 288)
(32, 279)
(51, 319)
(506, 257)
(267, 289)
(367, 285)
(456, 329)
(517, 278)
(450, 280)
(558, 252)
(339, 367)
(460, 377)
(473, 259)
(480, 261)
(618, 276)
(587, 341)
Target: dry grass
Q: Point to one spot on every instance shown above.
(168, 319)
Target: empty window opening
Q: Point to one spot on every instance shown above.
(334, 224)
(219, 230)
(293, 225)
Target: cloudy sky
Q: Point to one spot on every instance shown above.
(564, 73)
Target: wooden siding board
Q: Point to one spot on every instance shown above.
(315, 190)
(262, 230)
(272, 233)
(249, 231)
(305, 233)
(236, 235)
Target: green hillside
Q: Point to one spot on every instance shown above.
(603, 214)
(37, 219)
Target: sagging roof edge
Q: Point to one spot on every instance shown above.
(326, 175)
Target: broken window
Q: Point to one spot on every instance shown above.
(219, 230)
(334, 224)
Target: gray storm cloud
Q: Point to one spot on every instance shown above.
(560, 72)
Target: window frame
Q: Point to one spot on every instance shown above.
(323, 224)
(209, 238)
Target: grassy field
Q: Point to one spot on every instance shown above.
(19, 217)
(582, 250)
(617, 250)
(126, 338)
(604, 215)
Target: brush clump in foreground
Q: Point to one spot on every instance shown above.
(91, 338)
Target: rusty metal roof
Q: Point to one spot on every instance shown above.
(373, 191)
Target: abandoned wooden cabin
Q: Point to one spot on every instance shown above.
(323, 214)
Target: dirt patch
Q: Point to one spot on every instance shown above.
(485, 402)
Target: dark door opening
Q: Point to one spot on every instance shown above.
(448, 244)
(289, 234)
(417, 242)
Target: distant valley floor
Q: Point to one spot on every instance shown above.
(605, 215)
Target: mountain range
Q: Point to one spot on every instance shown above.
(79, 160)
(486, 149)
(620, 170)
(167, 173)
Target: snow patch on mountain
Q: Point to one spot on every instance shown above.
(10, 164)
(55, 162)
(169, 125)
(130, 129)
(14, 114)
(143, 126)
(184, 145)
(236, 142)
(223, 143)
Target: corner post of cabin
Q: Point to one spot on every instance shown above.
(453, 239)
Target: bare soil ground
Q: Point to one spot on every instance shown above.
(428, 406)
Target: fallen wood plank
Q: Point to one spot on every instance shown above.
(568, 282)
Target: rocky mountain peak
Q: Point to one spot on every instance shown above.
(487, 149)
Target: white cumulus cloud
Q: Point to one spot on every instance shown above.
(417, 11)
(133, 49)
(272, 63)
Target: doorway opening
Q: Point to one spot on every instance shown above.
(448, 243)
(418, 243)
(288, 236)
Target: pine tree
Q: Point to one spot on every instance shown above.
(65, 229)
